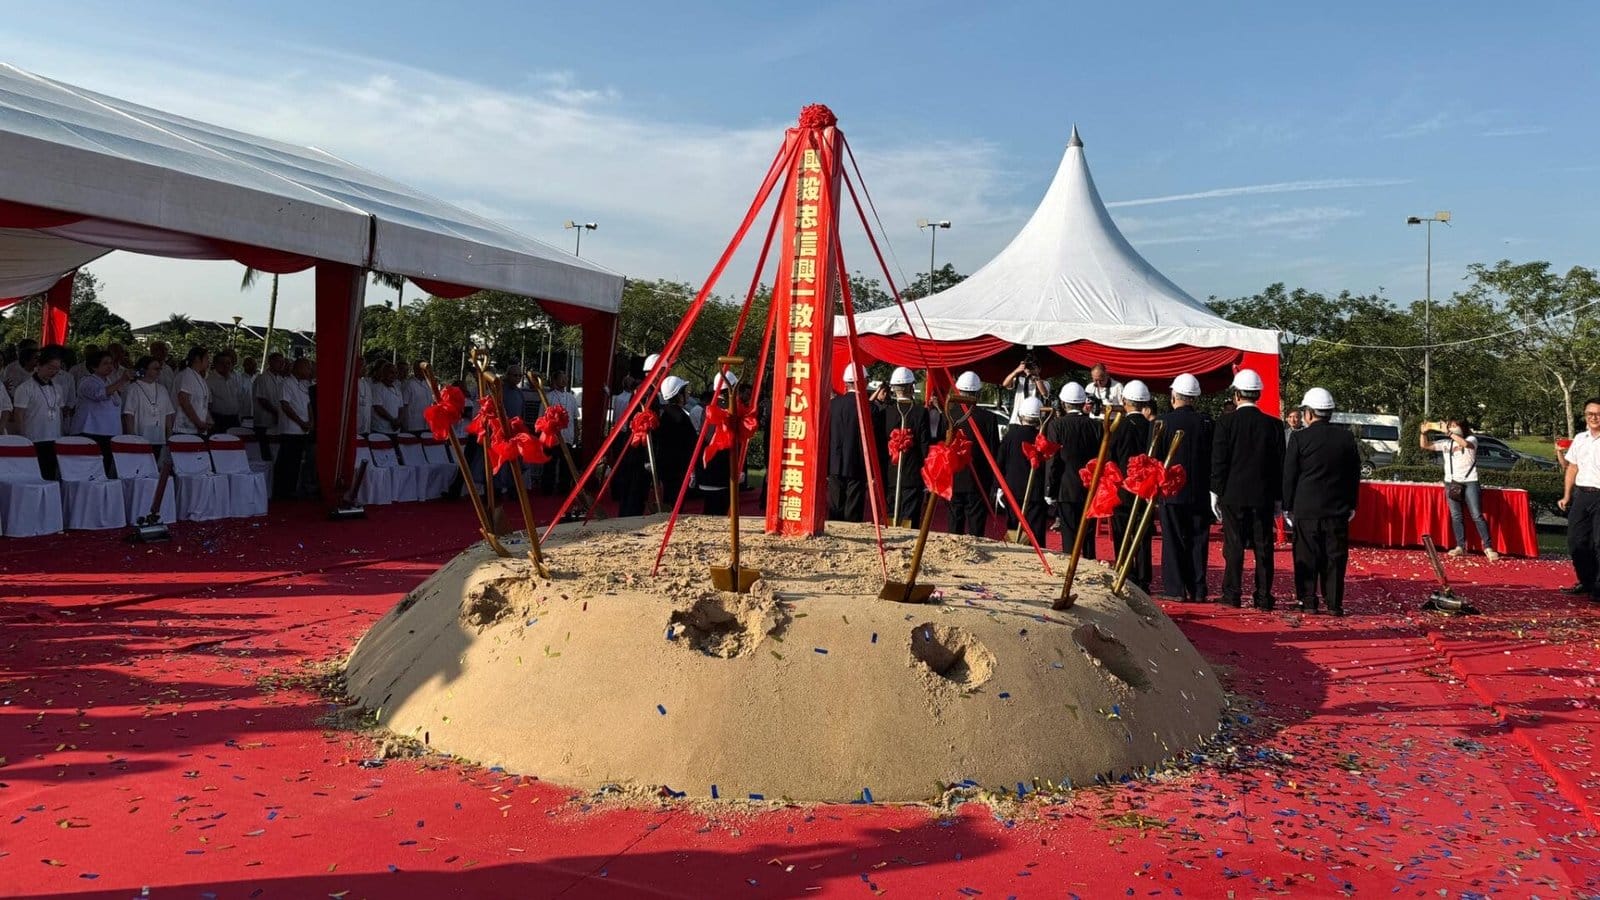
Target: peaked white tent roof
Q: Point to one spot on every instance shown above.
(1069, 275)
(156, 182)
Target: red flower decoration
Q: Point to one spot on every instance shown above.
(900, 441)
(484, 423)
(1143, 478)
(550, 424)
(644, 422)
(1039, 449)
(446, 412)
(817, 115)
(944, 461)
(515, 443)
(1105, 497)
(1173, 481)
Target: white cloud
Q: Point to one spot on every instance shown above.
(1515, 131)
(1295, 223)
(1280, 187)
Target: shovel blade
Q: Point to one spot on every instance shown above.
(723, 578)
(900, 592)
(902, 523)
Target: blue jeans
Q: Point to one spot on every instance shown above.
(1474, 503)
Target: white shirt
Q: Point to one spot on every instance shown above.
(98, 411)
(1025, 389)
(39, 408)
(229, 396)
(1585, 454)
(1110, 395)
(388, 398)
(620, 406)
(67, 387)
(169, 378)
(267, 387)
(417, 396)
(13, 375)
(148, 405)
(363, 405)
(297, 394)
(191, 383)
(568, 401)
(1460, 465)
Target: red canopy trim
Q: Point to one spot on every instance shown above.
(565, 313)
(273, 262)
(1165, 362)
(22, 215)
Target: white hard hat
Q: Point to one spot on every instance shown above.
(651, 360)
(1137, 391)
(716, 383)
(1072, 394)
(1186, 385)
(902, 376)
(1029, 408)
(852, 372)
(969, 383)
(1246, 380)
(1318, 399)
(671, 386)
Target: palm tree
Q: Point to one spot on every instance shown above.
(178, 324)
(245, 284)
(398, 282)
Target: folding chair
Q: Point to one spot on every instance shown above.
(408, 481)
(89, 499)
(247, 489)
(29, 505)
(436, 477)
(139, 474)
(202, 494)
(252, 451)
(377, 486)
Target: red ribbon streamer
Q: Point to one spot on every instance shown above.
(443, 415)
(1105, 497)
(722, 436)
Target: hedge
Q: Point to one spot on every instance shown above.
(1544, 486)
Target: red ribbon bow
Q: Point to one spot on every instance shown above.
(513, 443)
(644, 422)
(722, 436)
(550, 424)
(943, 462)
(1173, 481)
(900, 440)
(446, 412)
(483, 424)
(1105, 497)
(1144, 476)
(1039, 449)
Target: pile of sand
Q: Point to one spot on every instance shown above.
(808, 688)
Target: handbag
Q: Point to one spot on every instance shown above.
(1455, 491)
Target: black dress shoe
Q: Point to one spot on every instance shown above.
(1336, 611)
(1306, 606)
(1234, 602)
(1267, 605)
(1575, 589)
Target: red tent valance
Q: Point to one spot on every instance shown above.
(22, 215)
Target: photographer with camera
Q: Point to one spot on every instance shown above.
(1025, 381)
(1459, 450)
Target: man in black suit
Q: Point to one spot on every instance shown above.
(1321, 481)
(904, 479)
(1079, 437)
(1133, 439)
(969, 513)
(1019, 471)
(847, 463)
(1246, 485)
(673, 440)
(1186, 516)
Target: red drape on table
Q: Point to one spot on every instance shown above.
(341, 290)
(22, 215)
(1398, 514)
(57, 311)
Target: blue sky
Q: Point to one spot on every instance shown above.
(1279, 142)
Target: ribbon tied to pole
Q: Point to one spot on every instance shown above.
(900, 441)
(550, 424)
(443, 415)
(1143, 477)
(644, 422)
(944, 461)
(722, 437)
(1039, 449)
(1105, 499)
(1173, 480)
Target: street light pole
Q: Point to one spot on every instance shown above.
(1427, 307)
(581, 227)
(933, 243)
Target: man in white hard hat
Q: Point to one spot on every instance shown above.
(903, 479)
(1321, 482)
(711, 477)
(971, 487)
(1246, 487)
(673, 440)
(1186, 516)
(1015, 467)
(1079, 437)
(847, 461)
(1133, 439)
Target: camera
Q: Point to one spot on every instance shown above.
(1030, 362)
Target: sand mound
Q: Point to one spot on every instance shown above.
(808, 688)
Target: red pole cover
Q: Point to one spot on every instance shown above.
(57, 311)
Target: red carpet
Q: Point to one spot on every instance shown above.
(154, 736)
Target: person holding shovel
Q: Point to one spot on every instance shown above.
(1023, 475)
(1186, 516)
(904, 439)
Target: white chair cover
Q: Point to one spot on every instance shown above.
(247, 489)
(377, 485)
(29, 505)
(436, 477)
(139, 474)
(89, 499)
(438, 451)
(202, 494)
(252, 450)
(408, 481)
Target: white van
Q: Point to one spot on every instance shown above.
(1379, 432)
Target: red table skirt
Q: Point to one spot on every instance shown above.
(1399, 513)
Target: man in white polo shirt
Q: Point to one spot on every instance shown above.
(1581, 502)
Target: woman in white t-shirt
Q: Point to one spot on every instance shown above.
(193, 400)
(1458, 450)
(147, 409)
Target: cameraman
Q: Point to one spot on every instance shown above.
(1025, 381)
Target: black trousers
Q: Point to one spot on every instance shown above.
(110, 462)
(1247, 527)
(556, 475)
(1142, 571)
(967, 514)
(1038, 516)
(221, 422)
(49, 468)
(1583, 537)
(911, 500)
(286, 467)
(1321, 550)
(846, 498)
(1069, 512)
(1185, 541)
(265, 441)
(716, 502)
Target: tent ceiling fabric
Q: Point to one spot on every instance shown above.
(70, 149)
(1069, 275)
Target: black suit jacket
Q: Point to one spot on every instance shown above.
(673, 442)
(914, 417)
(1079, 437)
(977, 477)
(1194, 452)
(1014, 463)
(1321, 472)
(845, 458)
(1247, 459)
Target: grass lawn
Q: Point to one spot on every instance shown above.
(1532, 446)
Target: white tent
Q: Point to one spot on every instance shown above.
(1071, 282)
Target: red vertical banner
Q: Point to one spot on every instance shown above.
(57, 311)
(802, 296)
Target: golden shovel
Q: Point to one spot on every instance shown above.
(909, 591)
(732, 577)
(1085, 523)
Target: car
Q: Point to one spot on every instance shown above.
(1379, 432)
(1496, 455)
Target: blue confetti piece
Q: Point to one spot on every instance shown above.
(661, 709)
(393, 867)
(874, 637)
(671, 632)
(1005, 695)
(90, 875)
(758, 796)
(272, 814)
(533, 621)
(820, 650)
(866, 794)
(714, 794)
(1021, 790)
(1116, 709)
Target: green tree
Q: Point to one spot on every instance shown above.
(944, 278)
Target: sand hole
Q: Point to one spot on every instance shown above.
(488, 603)
(1112, 655)
(715, 628)
(952, 653)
